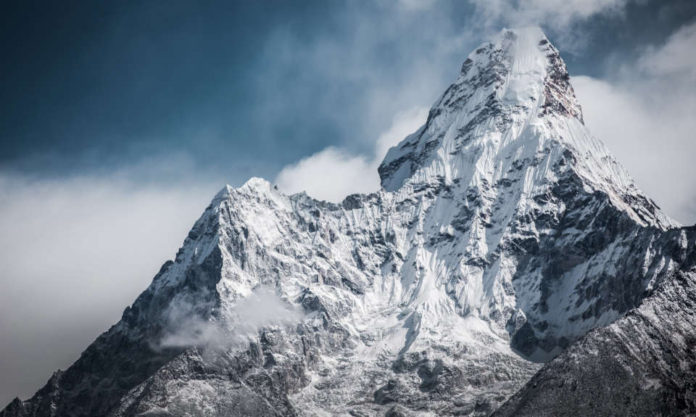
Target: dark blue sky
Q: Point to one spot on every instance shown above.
(243, 88)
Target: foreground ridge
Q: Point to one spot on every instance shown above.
(504, 232)
(642, 364)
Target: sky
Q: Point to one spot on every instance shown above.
(120, 120)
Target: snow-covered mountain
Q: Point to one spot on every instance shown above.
(503, 232)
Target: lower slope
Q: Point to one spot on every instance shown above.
(641, 365)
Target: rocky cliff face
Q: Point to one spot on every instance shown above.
(644, 364)
(503, 233)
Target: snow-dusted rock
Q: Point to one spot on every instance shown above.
(503, 232)
(644, 364)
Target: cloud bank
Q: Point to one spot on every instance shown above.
(645, 114)
(555, 13)
(334, 173)
(74, 253)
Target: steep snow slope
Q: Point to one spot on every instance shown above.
(524, 183)
(504, 231)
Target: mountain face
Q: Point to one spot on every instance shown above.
(504, 233)
(642, 364)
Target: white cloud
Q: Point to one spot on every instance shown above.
(334, 173)
(242, 322)
(329, 175)
(403, 124)
(378, 61)
(416, 5)
(554, 13)
(674, 58)
(646, 117)
(74, 253)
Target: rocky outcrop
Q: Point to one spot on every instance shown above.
(644, 364)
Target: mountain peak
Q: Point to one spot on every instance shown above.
(511, 115)
(257, 184)
(524, 69)
(515, 81)
(524, 46)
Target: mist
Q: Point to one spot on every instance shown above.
(75, 252)
(238, 324)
